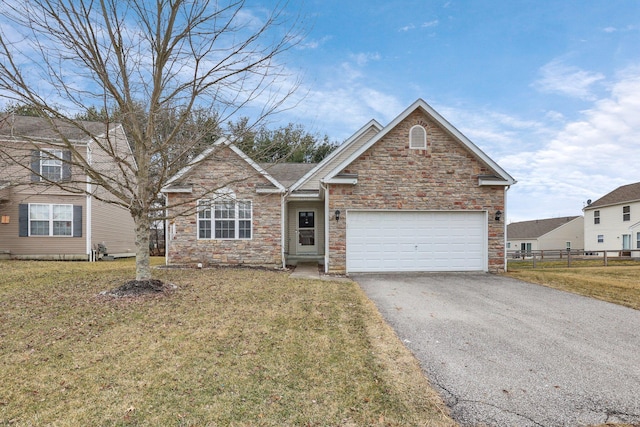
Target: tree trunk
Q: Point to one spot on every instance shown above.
(143, 267)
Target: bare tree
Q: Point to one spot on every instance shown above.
(157, 63)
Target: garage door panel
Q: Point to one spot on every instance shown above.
(416, 241)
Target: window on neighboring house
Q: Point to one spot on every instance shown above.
(50, 165)
(50, 220)
(508, 245)
(596, 217)
(568, 246)
(224, 219)
(626, 213)
(600, 238)
(53, 220)
(638, 240)
(418, 137)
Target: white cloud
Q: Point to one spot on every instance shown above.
(363, 58)
(584, 159)
(312, 44)
(568, 80)
(407, 28)
(433, 23)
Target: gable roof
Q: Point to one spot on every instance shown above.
(221, 142)
(536, 228)
(372, 125)
(14, 126)
(501, 178)
(624, 194)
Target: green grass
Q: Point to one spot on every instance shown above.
(228, 347)
(618, 284)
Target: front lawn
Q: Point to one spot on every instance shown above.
(235, 347)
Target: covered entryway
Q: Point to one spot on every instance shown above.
(379, 241)
(304, 232)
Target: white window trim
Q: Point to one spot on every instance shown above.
(50, 220)
(600, 238)
(212, 220)
(421, 146)
(51, 155)
(626, 216)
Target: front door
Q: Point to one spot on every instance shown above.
(626, 241)
(307, 232)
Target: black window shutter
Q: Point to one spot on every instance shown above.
(23, 220)
(66, 165)
(35, 165)
(77, 221)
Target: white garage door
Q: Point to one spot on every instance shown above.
(416, 241)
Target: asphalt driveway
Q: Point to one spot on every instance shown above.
(502, 352)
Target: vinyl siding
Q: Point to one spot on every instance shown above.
(611, 226)
(292, 218)
(313, 183)
(112, 226)
(40, 246)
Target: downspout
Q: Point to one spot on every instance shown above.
(327, 223)
(282, 228)
(88, 225)
(167, 231)
(505, 237)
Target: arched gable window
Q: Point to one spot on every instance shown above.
(418, 138)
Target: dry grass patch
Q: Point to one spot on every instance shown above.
(619, 284)
(226, 347)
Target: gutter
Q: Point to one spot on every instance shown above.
(326, 227)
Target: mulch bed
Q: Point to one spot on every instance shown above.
(134, 288)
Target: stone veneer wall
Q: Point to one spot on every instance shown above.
(391, 176)
(226, 168)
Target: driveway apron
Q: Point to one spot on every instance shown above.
(503, 352)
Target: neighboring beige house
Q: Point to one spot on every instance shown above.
(546, 234)
(42, 221)
(612, 222)
(416, 195)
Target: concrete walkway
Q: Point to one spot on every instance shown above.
(311, 270)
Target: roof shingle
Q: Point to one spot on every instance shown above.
(39, 128)
(287, 173)
(625, 193)
(535, 228)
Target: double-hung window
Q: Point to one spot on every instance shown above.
(50, 220)
(224, 219)
(51, 165)
(626, 213)
(596, 217)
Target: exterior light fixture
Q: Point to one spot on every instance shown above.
(498, 215)
(337, 214)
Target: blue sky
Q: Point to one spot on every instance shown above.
(548, 89)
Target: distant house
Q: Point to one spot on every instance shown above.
(612, 222)
(546, 234)
(415, 195)
(40, 220)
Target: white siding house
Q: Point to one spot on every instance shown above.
(612, 223)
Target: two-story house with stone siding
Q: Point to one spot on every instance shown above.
(415, 195)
